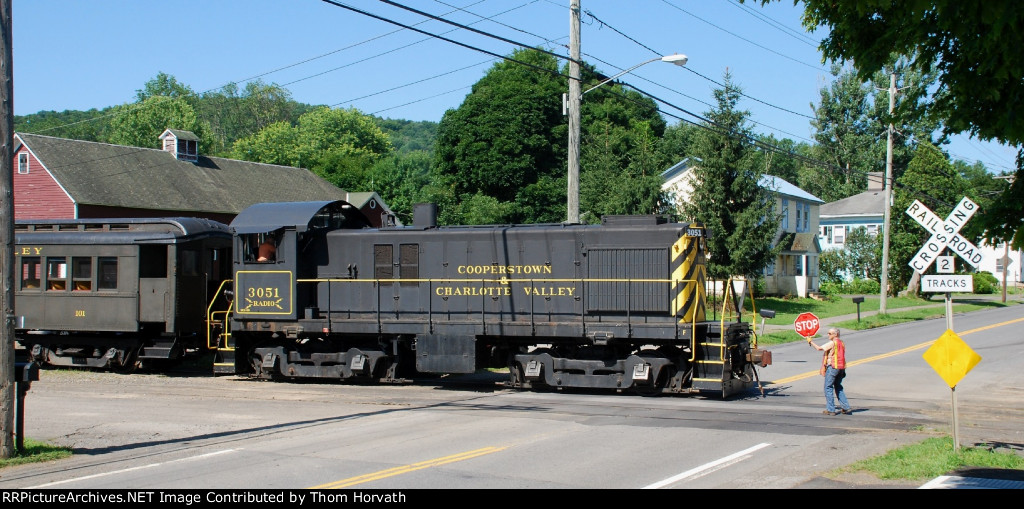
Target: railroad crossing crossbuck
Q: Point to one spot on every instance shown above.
(944, 234)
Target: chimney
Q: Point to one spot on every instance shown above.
(875, 181)
(183, 145)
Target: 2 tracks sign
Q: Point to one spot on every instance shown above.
(944, 234)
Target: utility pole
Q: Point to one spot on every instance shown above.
(575, 96)
(6, 233)
(888, 198)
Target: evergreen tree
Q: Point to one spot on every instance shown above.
(727, 196)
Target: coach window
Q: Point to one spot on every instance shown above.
(30, 276)
(56, 273)
(107, 279)
(81, 273)
(23, 163)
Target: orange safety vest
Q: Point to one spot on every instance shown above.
(837, 354)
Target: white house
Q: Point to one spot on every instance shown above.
(795, 270)
(867, 210)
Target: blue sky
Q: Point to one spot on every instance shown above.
(76, 54)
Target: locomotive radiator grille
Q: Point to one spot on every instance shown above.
(688, 275)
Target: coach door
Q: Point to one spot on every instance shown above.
(154, 290)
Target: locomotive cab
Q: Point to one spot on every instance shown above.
(277, 246)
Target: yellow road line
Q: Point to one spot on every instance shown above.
(351, 481)
(894, 353)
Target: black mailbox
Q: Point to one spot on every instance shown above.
(26, 372)
(857, 301)
(767, 313)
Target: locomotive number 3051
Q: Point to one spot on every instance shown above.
(269, 292)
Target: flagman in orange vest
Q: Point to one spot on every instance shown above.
(833, 368)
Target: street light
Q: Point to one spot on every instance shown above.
(677, 59)
(573, 106)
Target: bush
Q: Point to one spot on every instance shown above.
(830, 288)
(867, 286)
(985, 283)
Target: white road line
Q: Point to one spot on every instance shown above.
(733, 458)
(151, 465)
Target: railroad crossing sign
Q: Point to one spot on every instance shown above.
(806, 324)
(944, 234)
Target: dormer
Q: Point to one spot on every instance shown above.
(184, 145)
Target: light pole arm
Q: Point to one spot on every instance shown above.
(679, 60)
(620, 74)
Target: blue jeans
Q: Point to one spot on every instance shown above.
(834, 386)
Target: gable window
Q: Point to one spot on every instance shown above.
(23, 163)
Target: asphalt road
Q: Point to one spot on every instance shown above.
(192, 430)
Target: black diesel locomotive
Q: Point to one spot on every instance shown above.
(618, 305)
(116, 293)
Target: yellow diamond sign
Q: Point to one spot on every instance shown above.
(951, 358)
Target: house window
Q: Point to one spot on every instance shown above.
(839, 235)
(23, 162)
(798, 265)
(807, 217)
(785, 214)
(873, 230)
(826, 233)
(769, 269)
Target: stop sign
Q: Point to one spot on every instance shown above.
(806, 324)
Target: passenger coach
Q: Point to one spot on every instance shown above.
(115, 293)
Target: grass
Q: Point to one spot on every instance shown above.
(36, 452)
(934, 457)
(898, 310)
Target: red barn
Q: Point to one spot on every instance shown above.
(58, 178)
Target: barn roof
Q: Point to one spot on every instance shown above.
(132, 177)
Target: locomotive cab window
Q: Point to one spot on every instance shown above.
(30, 272)
(261, 247)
